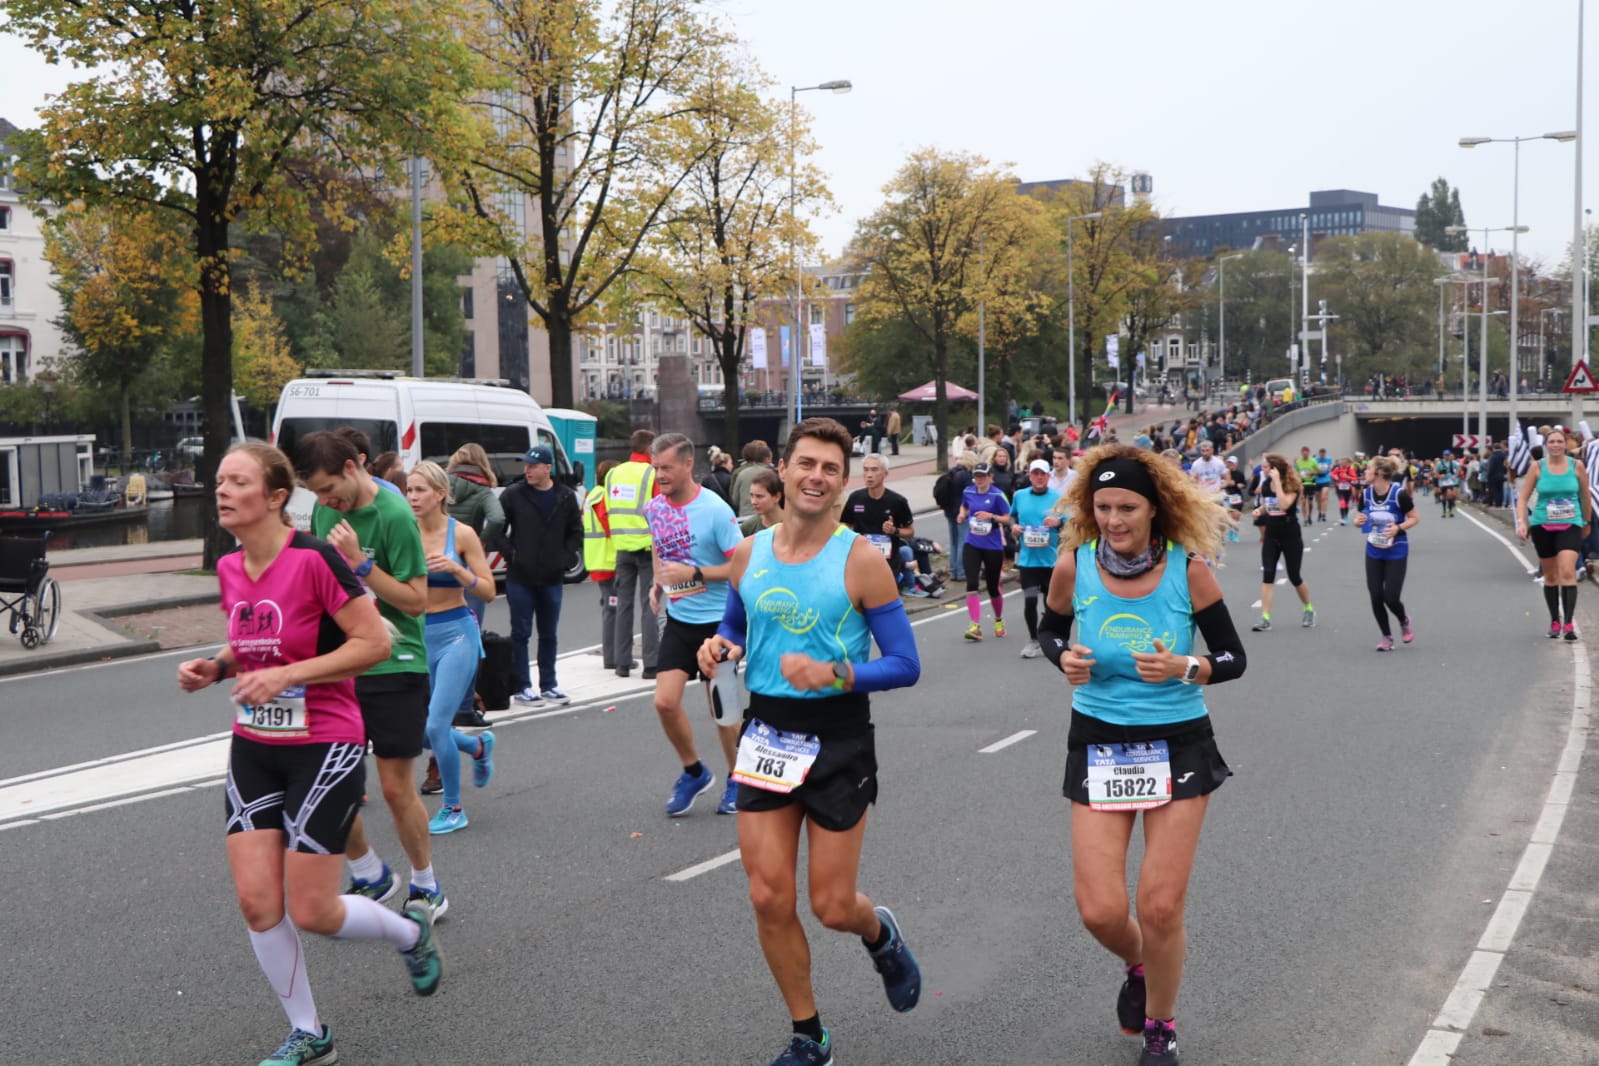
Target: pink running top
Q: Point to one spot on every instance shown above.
(286, 616)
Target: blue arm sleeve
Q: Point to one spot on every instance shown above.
(899, 666)
(735, 625)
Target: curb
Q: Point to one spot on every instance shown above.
(106, 616)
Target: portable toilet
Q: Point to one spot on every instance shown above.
(576, 431)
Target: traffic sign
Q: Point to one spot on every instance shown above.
(1581, 379)
(1470, 442)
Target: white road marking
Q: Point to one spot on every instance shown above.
(1255, 606)
(1007, 742)
(704, 867)
(193, 651)
(1437, 1048)
(1282, 581)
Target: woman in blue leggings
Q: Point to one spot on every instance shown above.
(457, 568)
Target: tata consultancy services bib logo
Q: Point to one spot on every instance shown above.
(783, 607)
(1132, 632)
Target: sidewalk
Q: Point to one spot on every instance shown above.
(100, 585)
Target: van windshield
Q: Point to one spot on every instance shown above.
(504, 443)
(385, 436)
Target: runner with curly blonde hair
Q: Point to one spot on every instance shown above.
(1137, 585)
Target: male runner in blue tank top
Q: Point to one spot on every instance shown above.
(809, 598)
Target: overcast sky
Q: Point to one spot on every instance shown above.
(1231, 105)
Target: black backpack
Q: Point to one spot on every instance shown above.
(497, 678)
(941, 490)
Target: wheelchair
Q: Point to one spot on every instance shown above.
(28, 594)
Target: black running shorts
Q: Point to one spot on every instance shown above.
(1197, 767)
(841, 785)
(394, 708)
(309, 792)
(680, 646)
(1549, 543)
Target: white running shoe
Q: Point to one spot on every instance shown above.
(1032, 650)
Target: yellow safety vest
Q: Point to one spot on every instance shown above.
(599, 554)
(628, 487)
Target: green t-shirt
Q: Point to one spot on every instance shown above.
(391, 539)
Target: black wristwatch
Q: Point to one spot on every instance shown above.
(222, 669)
(699, 575)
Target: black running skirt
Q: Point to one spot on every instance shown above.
(1197, 767)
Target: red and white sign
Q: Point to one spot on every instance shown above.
(1470, 442)
(1581, 379)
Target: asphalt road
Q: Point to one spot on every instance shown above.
(1379, 806)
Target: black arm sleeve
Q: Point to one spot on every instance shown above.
(1215, 624)
(1054, 634)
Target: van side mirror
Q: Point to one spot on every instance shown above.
(577, 474)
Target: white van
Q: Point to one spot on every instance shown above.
(420, 418)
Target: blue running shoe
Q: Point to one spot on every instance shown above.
(434, 898)
(729, 804)
(483, 765)
(902, 978)
(422, 959)
(688, 789)
(311, 1049)
(448, 820)
(383, 889)
(803, 1051)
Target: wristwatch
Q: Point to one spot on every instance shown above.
(1191, 674)
(364, 569)
(840, 676)
(699, 576)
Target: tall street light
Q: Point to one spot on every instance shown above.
(1579, 245)
(797, 348)
(1563, 136)
(1071, 314)
(1221, 318)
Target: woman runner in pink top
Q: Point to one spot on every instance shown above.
(299, 628)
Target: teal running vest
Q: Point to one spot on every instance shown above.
(1563, 487)
(801, 607)
(1115, 627)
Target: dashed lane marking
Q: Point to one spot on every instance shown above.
(704, 867)
(1007, 742)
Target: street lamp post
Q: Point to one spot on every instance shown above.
(1482, 383)
(797, 348)
(1071, 314)
(1563, 136)
(1221, 318)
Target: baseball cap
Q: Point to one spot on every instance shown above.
(1038, 464)
(539, 453)
(982, 469)
(1232, 459)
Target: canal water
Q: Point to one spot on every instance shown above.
(176, 519)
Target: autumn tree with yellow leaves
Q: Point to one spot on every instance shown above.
(224, 113)
(125, 278)
(953, 234)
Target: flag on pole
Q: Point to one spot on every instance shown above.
(818, 344)
(758, 348)
(782, 334)
(1521, 444)
(1113, 351)
(1099, 428)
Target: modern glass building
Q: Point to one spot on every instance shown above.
(1332, 213)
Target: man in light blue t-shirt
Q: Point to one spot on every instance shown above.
(1038, 515)
(693, 534)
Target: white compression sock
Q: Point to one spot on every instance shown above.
(368, 867)
(278, 952)
(424, 879)
(367, 919)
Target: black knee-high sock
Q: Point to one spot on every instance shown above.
(1568, 601)
(1551, 596)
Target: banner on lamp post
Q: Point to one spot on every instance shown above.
(782, 343)
(818, 344)
(758, 349)
(1113, 351)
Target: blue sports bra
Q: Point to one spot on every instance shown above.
(444, 579)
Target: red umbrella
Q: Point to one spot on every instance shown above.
(927, 393)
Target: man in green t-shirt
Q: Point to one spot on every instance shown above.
(1305, 466)
(377, 534)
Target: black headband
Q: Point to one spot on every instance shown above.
(1129, 474)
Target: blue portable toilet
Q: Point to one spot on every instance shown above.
(576, 431)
